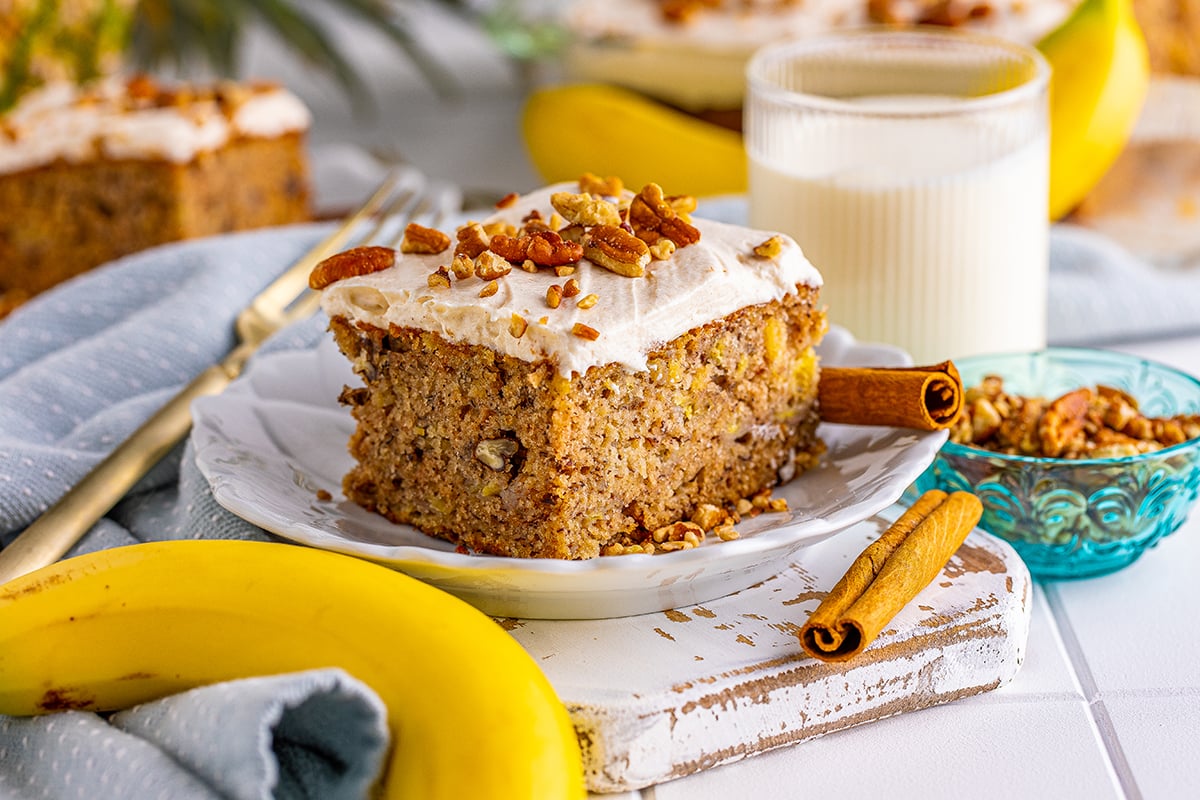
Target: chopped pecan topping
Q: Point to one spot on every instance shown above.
(439, 279)
(573, 232)
(726, 532)
(508, 200)
(585, 331)
(709, 516)
(682, 531)
(571, 288)
(554, 295)
(612, 186)
(489, 289)
(533, 223)
(584, 209)
(652, 216)
(662, 249)
(419, 239)
(350, 264)
(564, 271)
(587, 301)
(472, 240)
(771, 248)
(462, 266)
(517, 326)
(615, 249)
(490, 266)
(499, 226)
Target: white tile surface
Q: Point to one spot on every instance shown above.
(1133, 626)
(1004, 750)
(1158, 735)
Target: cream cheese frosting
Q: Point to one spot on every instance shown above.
(699, 283)
(65, 122)
(699, 64)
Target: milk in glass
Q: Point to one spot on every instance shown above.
(928, 235)
(912, 168)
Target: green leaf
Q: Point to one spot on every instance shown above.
(209, 32)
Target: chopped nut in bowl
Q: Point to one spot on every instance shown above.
(1083, 458)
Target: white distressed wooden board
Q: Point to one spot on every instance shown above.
(659, 696)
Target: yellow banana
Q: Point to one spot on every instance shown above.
(570, 130)
(470, 712)
(1101, 73)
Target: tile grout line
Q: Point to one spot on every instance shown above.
(1087, 682)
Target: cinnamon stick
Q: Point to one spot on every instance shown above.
(888, 574)
(928, 398)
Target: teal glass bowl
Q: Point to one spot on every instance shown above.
(1086, 517)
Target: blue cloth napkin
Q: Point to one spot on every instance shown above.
(319, 734)
(83, 365)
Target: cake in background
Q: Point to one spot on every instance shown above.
(691, 54)
(92, 173)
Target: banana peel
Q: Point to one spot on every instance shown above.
(470, 712)
(573, 129)
(1101, 72)
(1097, 87)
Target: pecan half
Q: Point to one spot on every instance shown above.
(548, 249)
(351, 263)
(544, 248)
(651, 215)
(615, 249)
(419, 239)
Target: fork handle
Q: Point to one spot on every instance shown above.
(52, 534)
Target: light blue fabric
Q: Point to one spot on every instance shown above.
(83, 365)
(319, 734)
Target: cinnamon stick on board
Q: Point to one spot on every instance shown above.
(928, 398)
(889, 573)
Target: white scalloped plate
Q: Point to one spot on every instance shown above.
(278, 436)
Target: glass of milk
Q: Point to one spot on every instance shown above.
(912, 168)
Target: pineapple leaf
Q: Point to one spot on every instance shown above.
(209, 32)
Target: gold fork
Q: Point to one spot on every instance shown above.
(402, 197)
